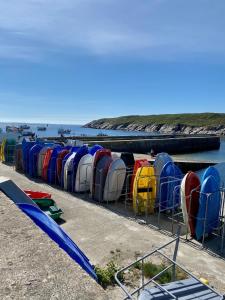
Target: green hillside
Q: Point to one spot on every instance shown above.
(198, 119)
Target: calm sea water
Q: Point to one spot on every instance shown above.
(78, 130)
(214, 155)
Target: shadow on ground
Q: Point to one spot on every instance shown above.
(166, 223)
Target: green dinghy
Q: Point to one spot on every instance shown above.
(49, 207)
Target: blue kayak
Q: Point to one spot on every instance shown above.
(58, 235)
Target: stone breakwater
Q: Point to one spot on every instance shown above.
(159, 128)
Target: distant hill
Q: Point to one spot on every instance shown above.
(196, 123)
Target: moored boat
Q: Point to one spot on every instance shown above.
(28, 133)
(12, 129)
(64, 131)
(41, 128)
(24, 126)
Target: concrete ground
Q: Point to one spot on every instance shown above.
(33, 267)
(101, 233)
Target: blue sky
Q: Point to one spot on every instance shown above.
(73, 61)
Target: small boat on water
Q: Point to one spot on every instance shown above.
(24, 126)
(102, 134)
(64, 131)
(13, 129)
(41, 128)
(27, 133)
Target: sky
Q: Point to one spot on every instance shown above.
(74, 61)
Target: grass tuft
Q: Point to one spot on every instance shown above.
(150, 270)
(106, 275)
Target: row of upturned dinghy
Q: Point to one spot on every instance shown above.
(108, 176)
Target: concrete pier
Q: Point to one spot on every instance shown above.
(172, 144)
(177, 145)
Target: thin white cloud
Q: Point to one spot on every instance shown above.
(155, 29)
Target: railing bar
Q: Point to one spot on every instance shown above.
(152, 280)
(147, 255)
(184, 269)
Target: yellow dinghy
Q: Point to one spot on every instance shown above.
(2, 150)
(144, 190)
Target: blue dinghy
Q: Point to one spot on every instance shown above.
(33, 159)
(160, 161)
(26, 146)
(209, 207)
(51, 173)
(73, 149)
(211, 171)
(94, 149)
(170, 179)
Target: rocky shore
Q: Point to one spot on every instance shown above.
(159, 128)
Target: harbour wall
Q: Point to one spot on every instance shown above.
(144, 144)
(171, 144)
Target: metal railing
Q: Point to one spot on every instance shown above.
(173, 264)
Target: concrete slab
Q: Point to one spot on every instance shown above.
(103, 234)
(33, 267)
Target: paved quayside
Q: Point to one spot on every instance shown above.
(99, 231)
(33, 267)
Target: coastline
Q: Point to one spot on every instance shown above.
(158, 128)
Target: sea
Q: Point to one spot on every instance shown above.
(77, 130)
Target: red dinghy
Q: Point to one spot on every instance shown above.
(190, 188)
(47, 159)
(59, 161)
(37, 195)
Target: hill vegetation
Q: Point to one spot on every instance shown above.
(197, 119)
